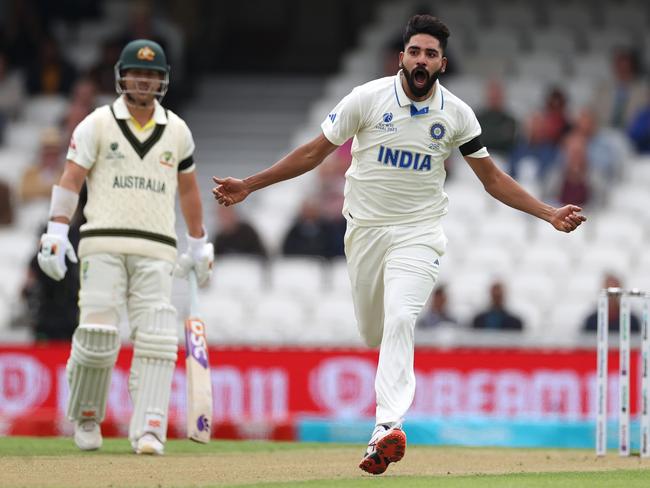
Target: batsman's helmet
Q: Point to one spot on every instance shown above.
(142, 54)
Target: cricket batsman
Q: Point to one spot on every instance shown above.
(133, 155)
(404, 127)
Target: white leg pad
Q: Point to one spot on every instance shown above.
(152, 370)
(94, 352)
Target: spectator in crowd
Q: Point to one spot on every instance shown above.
(622, 97)
(38, 178)
(613, 310)
(571, 180)
(103, 73)
(496, 317)
(6, 204)
(639, 130)
(53, 312)
(437, 313)
(499, 128)
(11, 93)
(535, 149)
(50, 73)
(236, 236)
(555, 116)
(603, 150)
(308, 236)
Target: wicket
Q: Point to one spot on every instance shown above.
(625, 297)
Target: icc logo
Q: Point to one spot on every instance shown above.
(437, 131)
(387, 117)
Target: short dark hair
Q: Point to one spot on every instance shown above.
(426, 24)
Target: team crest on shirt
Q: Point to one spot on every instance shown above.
(386, 124)
(437, 131)
(114, 152)
(167, 159)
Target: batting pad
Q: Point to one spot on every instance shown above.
(154, 358)
(94, 351)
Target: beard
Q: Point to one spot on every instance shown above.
(420, 74)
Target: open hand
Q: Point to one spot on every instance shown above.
(229, 190)
(567, 218)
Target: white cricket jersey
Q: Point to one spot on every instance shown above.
(397, 172)
(132, 180)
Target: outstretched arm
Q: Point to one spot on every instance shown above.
(505, 189)
(302, 159)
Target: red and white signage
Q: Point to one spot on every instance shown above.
(281, 384)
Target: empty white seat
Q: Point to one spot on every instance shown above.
(239, 275)
(23, 136)
(605, 258)
(572, 15)
(532, 288)
(581, 286)
(301, 277)
(283, 317)
(13, 162)
(548, 68)
(491, 259)
(566, 320)
(469, 290)
(332, 321)
(498, 42)
(596, 66)
(634, 201)
(554, 41)
(45, 110)
(339, 278)
(18, 246)
(545, 258)
(614, 228)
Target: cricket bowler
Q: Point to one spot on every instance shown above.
(404, 127)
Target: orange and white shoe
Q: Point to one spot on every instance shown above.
(387, 445)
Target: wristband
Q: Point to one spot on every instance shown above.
(195, 244)
(64, 202)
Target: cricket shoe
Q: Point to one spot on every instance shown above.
(87, 435)
(387, 445)
(148, 444)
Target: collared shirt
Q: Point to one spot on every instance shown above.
(121, 112)
(397, 172)
(132, 180)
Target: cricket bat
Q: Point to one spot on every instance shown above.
(197, 368)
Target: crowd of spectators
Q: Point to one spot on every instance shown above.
(572, 156)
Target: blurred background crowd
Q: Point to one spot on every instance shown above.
(560, 88)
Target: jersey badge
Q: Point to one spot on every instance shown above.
(332, 117)
(114, 152)
(437, 131)
(167, 159)
(386, 124)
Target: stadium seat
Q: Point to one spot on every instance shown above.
(226, 318)
(605, 258)
(45, 110)
(333, 322)
(537, 290)
(241, 276)
(545, 258)
(338, 279)
(594, 66)
(278, 319)
(545, 67)
(554, 40)
(299, 277)
(614, 228)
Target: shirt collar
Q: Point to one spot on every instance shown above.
(436, 101)
(122, 111)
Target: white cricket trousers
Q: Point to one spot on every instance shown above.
(109, 282)
(392, 271)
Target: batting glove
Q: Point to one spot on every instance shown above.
(199, 256)
(55, 246)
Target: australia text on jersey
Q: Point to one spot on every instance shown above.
(139, 183)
